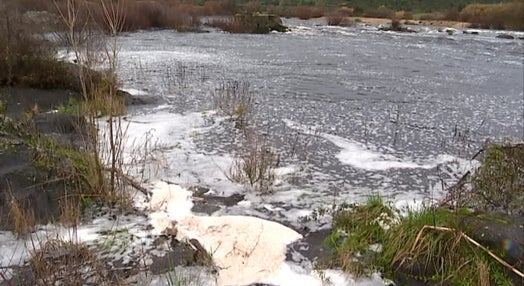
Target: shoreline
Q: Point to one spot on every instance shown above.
(407, 22)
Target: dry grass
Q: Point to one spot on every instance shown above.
(23, 218)
(70, 210)
(495, 16)
(230, 25)
(381, 12)
(340, 17)
(60, 262)
(236, 100)
(301, 12)
(255, 165)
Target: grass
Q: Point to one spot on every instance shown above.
(23, 218)
(355, 228)
(60, 262)
(427, 245)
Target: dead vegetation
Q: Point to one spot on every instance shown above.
(497, 185)
(236, 100)
(255, 164)
(495, 16)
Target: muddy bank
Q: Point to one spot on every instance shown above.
(33, 171)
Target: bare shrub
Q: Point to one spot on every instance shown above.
(25, 54)
(236, 100)
(219, 8)
(339, 18)
(255, 165)
(162, 15)
(301, 12)
(252, 7)
(381, 12)
(435, 16)
(395, 24)
(452, 15)
(497, 185)
(230, 25)
(495, 16)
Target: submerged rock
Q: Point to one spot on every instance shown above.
(505, 36)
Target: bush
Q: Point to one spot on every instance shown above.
(340, 17)
(499, 182)
(255, 165)
(230, 25)
(302, 12)
(495, 16)
(26, 58)
(381, 12)
(236, 100)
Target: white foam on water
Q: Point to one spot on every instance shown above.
(134, 91)
(245, 249)
(153, 56)
(12, 251)
(363, 157)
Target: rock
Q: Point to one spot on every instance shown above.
(261, 23)
(135, 100)
(67, 129)
(505, 36)
(29, 185)
(450, 31)
(394, 28)
(179, 254)
(35, 183)
(21, 100)
(314, 247)
(499, 232)
(209, 204)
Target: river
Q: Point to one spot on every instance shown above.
(352, 111)
(358, 110)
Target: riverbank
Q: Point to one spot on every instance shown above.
(427, 23)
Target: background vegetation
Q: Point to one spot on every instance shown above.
(186, 15)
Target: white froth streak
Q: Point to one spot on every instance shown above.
(357, 155)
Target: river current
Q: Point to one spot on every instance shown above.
(353, 111)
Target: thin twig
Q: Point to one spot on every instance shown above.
(129, 180)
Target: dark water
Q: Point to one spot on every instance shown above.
(402, 97)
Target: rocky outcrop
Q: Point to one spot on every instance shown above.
(260, 23)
